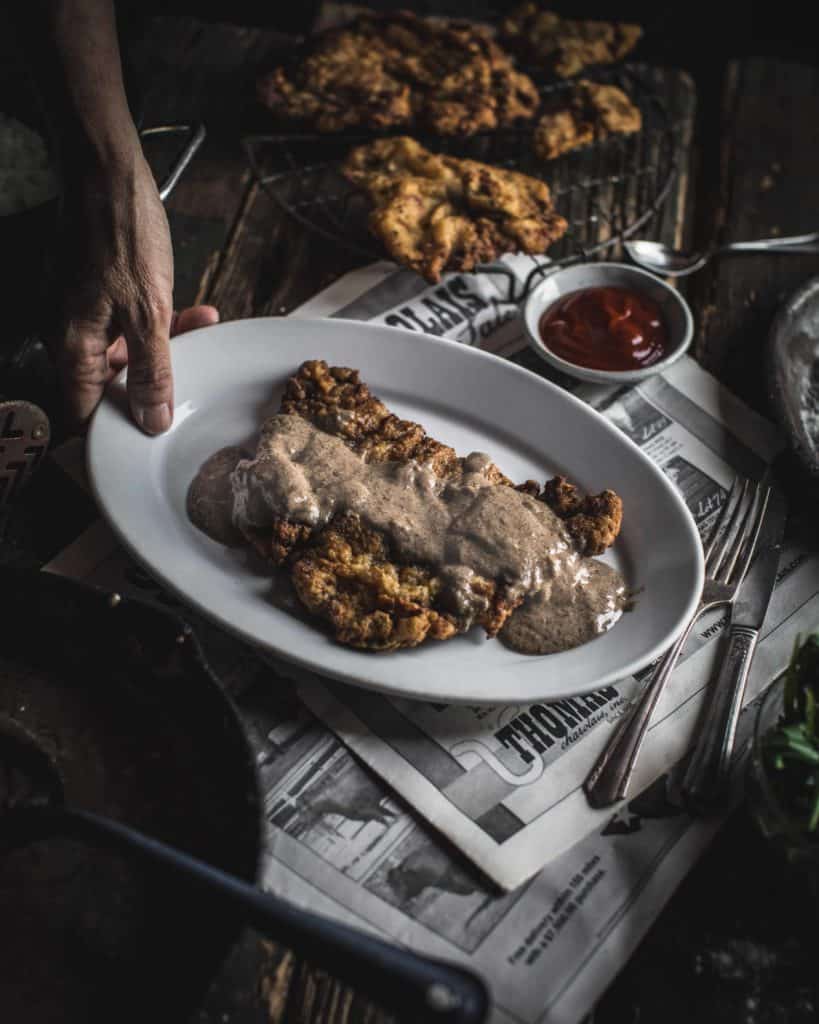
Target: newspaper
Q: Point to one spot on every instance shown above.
(500, 783)
(504, 784)
(341, 843)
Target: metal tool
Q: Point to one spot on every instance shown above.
(419, 988)
(728, 554)
(706, 777)
(24, 436)
(662, 259)
(196, 136)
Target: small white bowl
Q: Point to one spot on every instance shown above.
(676, 313)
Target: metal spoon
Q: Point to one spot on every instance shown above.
(662, 259)
(418, 988)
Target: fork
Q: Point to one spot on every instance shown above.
(730, 549)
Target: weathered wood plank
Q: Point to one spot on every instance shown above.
(770, 166)
(273, 264)
(183, 70)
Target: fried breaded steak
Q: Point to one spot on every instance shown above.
(347, 577)
(565, 46)
(593, 520)
(345, 573)
(586, 113)
(335, 399)
(438, 213)
(384, 71)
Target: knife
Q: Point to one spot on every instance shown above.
(706, 778)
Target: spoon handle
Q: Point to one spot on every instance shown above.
(418, 988)
(792, 243)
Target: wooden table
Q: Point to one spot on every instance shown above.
(731, 940)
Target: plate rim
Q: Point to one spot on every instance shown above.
(329, 674)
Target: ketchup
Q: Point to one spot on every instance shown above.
(605, 329)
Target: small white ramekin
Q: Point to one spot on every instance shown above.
(555, 285)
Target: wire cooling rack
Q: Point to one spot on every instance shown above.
(606, 190)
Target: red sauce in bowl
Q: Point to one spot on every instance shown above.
(606, 329)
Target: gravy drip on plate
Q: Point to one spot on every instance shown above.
(210, 497)
(569, 612)
(460, 527)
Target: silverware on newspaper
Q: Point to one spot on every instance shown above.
(706, 777)
(728, 554)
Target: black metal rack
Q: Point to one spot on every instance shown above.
(606, 190)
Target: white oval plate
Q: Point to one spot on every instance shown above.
(227, 374)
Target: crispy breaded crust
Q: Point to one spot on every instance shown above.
(337, 401)
(346, 574)
(564, 45)
(586, 113)
(438, 213)
(348, 578)
(384, 71)
(594, 521)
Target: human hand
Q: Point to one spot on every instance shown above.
(116, 308)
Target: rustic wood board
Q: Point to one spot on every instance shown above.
(769, 169)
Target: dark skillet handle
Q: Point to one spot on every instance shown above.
(417, 988)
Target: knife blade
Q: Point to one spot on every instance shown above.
(705, 783)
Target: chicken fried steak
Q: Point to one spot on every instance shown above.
(386, 71)
(587, 113)
(391, 538)
(351, 566)
(566, 46)
(438, 213)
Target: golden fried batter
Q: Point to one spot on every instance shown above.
(438, 213)
(563, 45)
(398, 69)
(345, 575)
(593, 521)
(588, 112)
(335, 399)
(347, 578)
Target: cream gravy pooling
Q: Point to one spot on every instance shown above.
(210, 497)
(460, 528)
(568, 613)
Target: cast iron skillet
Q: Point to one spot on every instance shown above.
(37, 802)
(140, 729)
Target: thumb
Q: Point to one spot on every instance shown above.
(150, 380)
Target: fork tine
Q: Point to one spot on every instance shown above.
(723, 517)
(733, 523)
(751, 529)
(740, 534)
